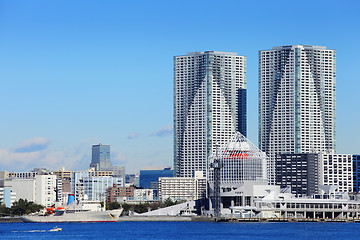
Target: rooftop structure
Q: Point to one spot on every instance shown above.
(241, 161)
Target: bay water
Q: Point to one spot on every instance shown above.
(180, 230)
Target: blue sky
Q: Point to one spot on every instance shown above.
(76, 73)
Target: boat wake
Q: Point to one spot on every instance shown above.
(31, 231)
(55, 229)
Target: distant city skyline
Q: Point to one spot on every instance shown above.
(76, 74)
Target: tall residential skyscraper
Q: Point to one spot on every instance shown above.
(296, 101)
(101, 157)
(209, 106)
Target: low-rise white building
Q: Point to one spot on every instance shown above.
(24, 188)
(183, 188)
(32, 187)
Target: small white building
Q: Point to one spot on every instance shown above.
(144, 194)
(183, 188)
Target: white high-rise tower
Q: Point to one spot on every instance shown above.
(296, 101)
(209, 106)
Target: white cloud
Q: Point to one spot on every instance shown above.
(32, 145)
(76, 157)
(35, 152)
(117, 158)
(164, 131)
(133, 135)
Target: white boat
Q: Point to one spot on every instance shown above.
(75, 216)
(55, 229)
(84, 211)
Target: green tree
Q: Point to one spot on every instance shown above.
(112, 205)
(141, 208)
(4, 211)
(24, 207)
(169, 202)
(154, 206)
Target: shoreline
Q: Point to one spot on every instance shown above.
(211, 219)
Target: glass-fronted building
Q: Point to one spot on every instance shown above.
(356, 172)
(149, 177)
(300, 172)
(101, 157)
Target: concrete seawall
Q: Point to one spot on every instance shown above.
(9, 220)
(155, 219)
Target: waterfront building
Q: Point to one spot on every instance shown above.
(337, 169)
(142, 195)
(149, 177)
(45, 186)
(76, 182)
(296, 101)
(327, 206)
(183, 188)
(101, 157)
(59, 194)
(130, 195)
(209, 106)
(24, 188)
(64, 180)
(235, 164)
(119, 193)
(241, 161)
(33, 187)
(90, 184)
(95, 187)
(356, 172)
(300, 172)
